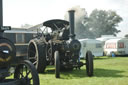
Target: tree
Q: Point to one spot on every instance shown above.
(126, 35)
(101, 22)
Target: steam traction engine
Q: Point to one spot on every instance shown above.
(23, 71)
(57, 45)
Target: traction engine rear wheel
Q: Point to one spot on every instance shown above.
(57, 64)
(37, 55)
(89, 63)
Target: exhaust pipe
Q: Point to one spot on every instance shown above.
(1, 14)
(1, 17)
(71, 22)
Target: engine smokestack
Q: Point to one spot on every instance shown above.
(71, 22)
(1, 17)
(1, 14)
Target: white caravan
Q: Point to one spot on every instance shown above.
(104, 38)
(95, 46)
(117, 46)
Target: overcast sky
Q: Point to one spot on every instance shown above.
(19, 12)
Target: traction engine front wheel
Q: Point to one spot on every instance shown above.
(57, 64)
(27, 73)
(89, 63)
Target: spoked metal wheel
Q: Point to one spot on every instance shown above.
(89, 63)
(37, 55)
(27, 73)
(57, 64)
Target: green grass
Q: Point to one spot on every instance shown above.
(107, 71)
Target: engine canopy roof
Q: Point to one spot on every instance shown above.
(56, 24)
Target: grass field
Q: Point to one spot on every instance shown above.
(107, 71)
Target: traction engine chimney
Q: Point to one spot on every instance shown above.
(71, 22)
(1, 16)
